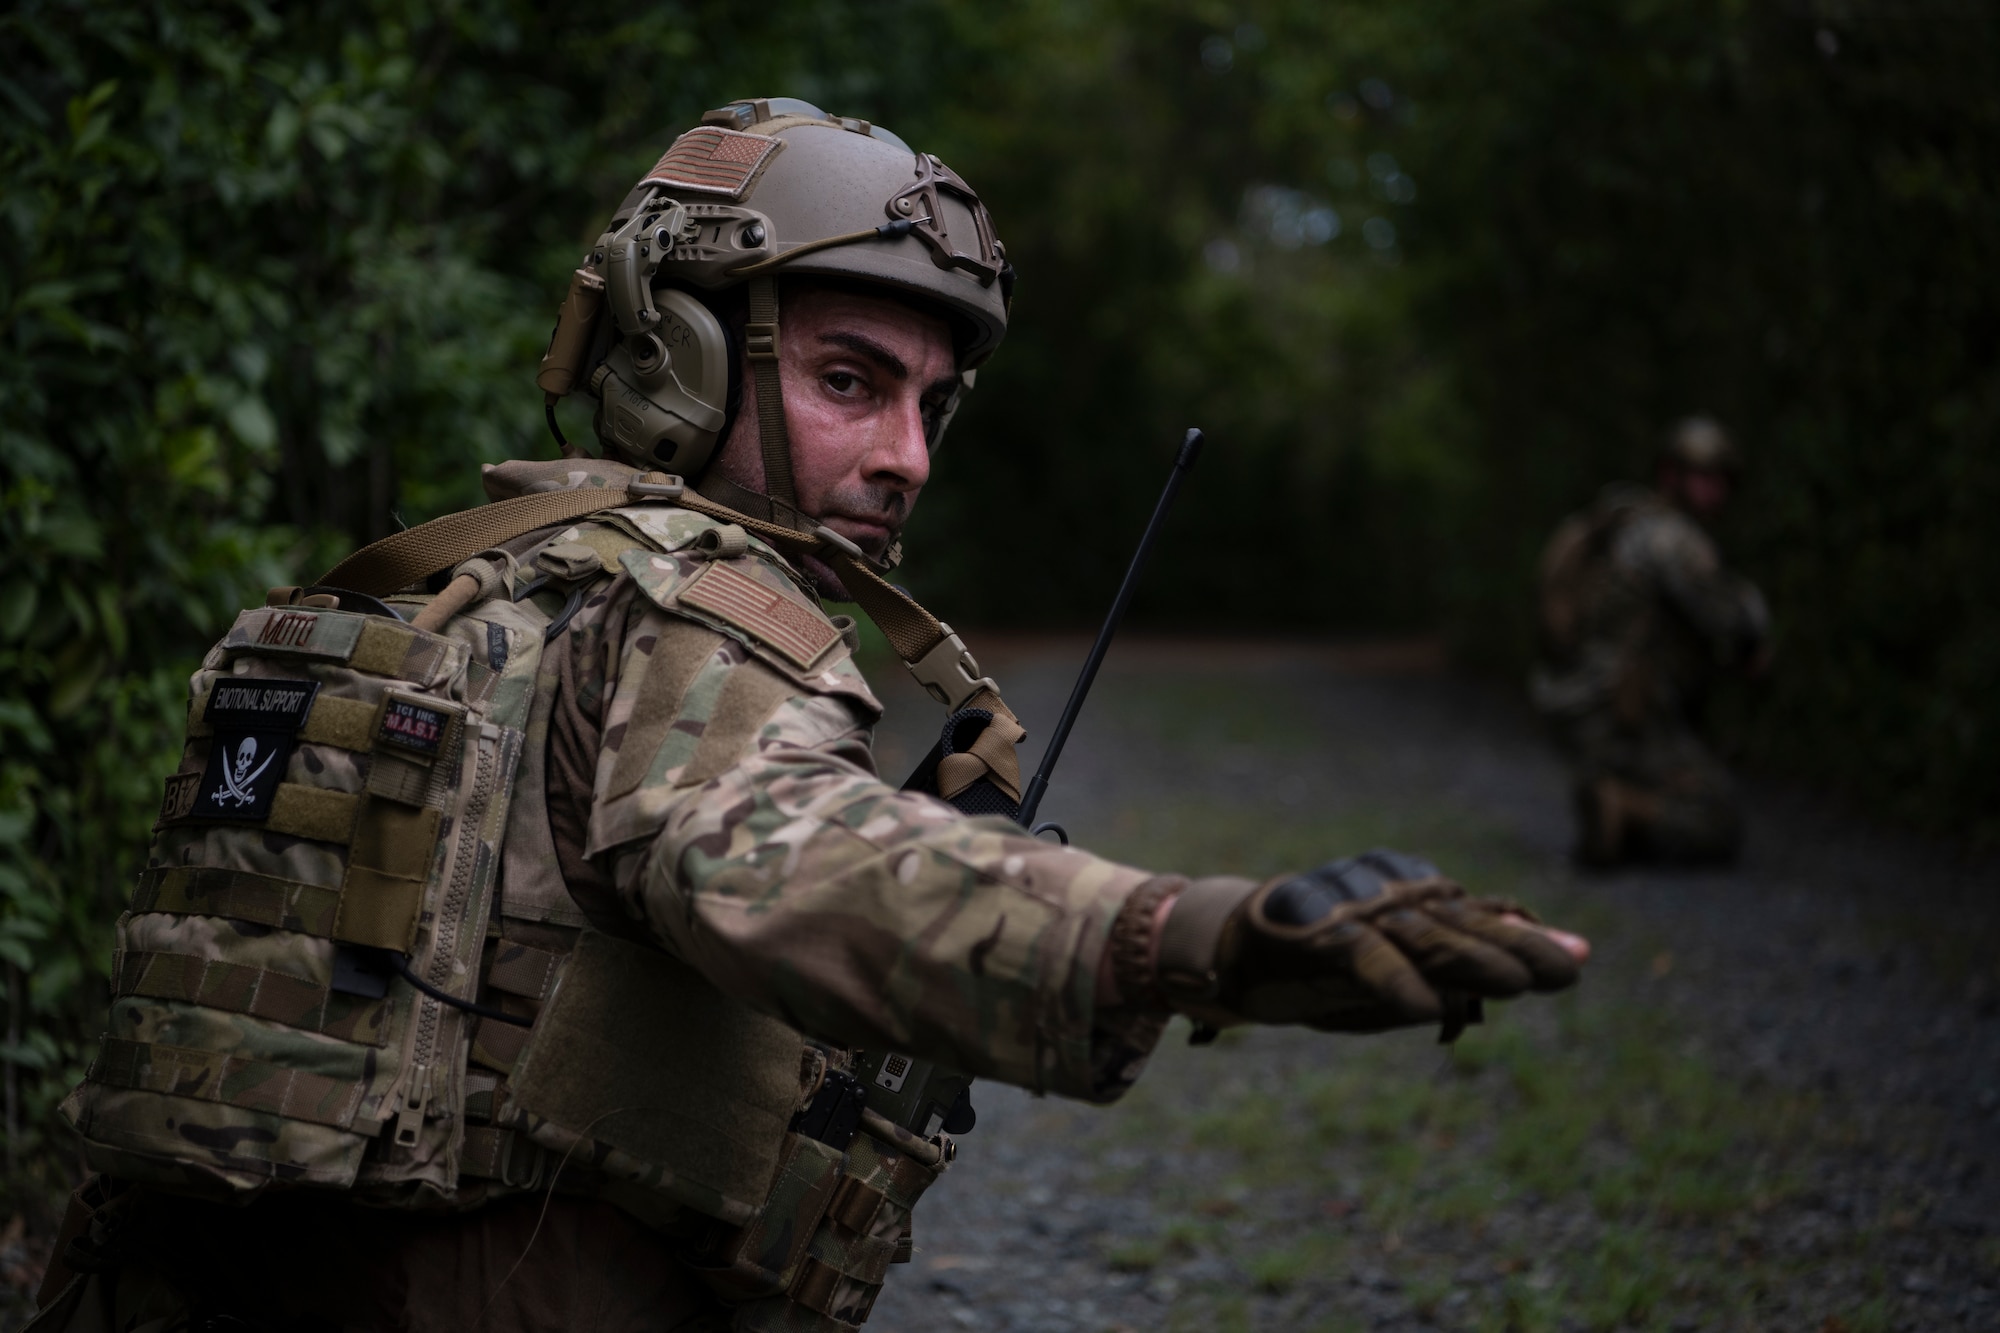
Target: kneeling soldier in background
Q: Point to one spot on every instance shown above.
(1638, 616)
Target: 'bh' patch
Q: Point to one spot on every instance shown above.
(256, 720)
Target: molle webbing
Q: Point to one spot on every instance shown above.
(253, 1085)
(390, 846)
(387, 866)
(259, 992)
(522, 969)
(347, 724)
(300, 811)
(498, 1046)
(239, 895)
(814, 1260)
(491, 1152)
(373, 644)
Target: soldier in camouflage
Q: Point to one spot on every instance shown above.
(718, 943)
(1638, 616)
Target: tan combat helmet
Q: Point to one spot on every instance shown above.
(761, 188)
(1699, 443)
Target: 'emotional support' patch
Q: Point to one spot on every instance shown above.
(255, 720)
(796, 631)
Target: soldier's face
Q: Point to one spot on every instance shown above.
(1705, 492)
(863, 376)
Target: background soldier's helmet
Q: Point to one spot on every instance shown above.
(1701, 444)
(761, 189)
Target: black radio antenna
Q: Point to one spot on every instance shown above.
(1031, 798)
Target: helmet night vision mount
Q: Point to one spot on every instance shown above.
(761, 186)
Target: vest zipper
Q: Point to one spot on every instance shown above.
(415, 1103)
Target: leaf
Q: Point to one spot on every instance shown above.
(281, 132)
(111, 617)
(17, 608)
(88, 121)
(24, 1056)
(250, 418)
(75, 687)
(54, 977)
(19, 716)
(73, 533)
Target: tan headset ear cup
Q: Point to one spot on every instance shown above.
(663, 393)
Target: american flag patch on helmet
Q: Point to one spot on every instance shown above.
(712, 159)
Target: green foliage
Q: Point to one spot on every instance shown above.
(273, 279)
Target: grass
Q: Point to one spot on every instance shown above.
(1588, 1166)
(1574, 1163)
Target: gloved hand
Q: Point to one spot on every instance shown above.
(1359, 945)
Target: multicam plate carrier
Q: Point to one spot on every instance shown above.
(341, 803)
(333, 837)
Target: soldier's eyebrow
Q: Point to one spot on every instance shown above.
(864, 346)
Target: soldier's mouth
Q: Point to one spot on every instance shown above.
(872, 535)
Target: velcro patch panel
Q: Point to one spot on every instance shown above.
(373, 644)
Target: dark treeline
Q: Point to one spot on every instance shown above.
(1429, 273)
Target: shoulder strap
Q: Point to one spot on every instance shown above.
(935, 655)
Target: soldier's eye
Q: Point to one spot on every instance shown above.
(841, 382)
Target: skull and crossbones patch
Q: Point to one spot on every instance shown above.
(256, 721)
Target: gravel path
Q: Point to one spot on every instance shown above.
(1841, 968)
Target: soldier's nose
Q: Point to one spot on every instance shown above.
(901, 456)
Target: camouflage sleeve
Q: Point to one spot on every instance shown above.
(1680, 560)
(759, 845)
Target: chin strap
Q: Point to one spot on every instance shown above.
(761, 346)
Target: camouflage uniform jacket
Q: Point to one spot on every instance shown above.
(1638, 611)
(709, 792)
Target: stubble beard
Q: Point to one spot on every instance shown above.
(874, 501)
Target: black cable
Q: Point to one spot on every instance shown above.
(402, 966)
(561, 622)
(549, 408)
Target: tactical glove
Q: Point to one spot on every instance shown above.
(1360, 945)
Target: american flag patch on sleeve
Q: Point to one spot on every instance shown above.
(711, 159)
(776, 618)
